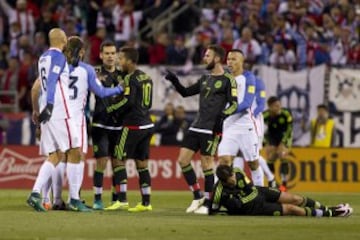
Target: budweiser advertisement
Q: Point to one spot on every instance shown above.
(19, 166)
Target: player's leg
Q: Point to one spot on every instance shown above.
(45, 194)
(190, 145)
(249, 147)
(238, 162)
(267, 172)
(208, 146)
(283, 153)
(57, 179)
(100, 148)
(48, 146)
(141, 154)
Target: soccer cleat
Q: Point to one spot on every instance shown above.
(202, 210)
(34, 201)
(117, 205)
(47, 206)
(195, 204)
(77, 206)
(140, 208)
(342, 210)
(98, 205)
(282, 188)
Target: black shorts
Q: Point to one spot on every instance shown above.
(265, 204)
(134, 144)
(206, 143)
(104, 141)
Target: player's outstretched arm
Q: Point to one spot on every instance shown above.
(97, 88)
(184, 91)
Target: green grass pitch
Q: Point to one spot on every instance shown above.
(168, 221)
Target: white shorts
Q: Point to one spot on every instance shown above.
(80, 122)
(235, 139)
(260, 128)
(58, 134)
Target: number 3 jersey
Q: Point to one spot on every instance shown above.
(54, 77)
(82, 79)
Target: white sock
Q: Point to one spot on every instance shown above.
(82, 164)
(267, 172)
(57, 182)
(238, 163)
(43, 176)
(73, 172)
(258, 177)
(45, 192)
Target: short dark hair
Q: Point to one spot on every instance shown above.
(237, 50)
(107, 43)
(218, 50)
(323, 106)
(272, 99)
(130, 53)
(223, 172)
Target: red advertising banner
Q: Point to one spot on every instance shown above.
(19, 166)
(321, 170)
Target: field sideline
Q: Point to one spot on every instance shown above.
(168, 221)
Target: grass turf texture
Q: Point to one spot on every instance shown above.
(168, 220)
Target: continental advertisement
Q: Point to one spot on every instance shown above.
(316, 170)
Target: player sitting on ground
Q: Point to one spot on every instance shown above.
(239, 196)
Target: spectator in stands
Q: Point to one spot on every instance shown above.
(10, 82)
(282, 58)
(95, 42)
(322, 128)
(177, 53)
(20, 15)
(248, 45)
(15, 34)
(41, 44)
(157, 51)
(337, 48)
(126, 22)
(45, 23)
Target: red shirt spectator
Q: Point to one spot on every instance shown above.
(157, 52)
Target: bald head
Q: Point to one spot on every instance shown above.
(57, 38)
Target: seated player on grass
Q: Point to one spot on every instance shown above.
(235, 192)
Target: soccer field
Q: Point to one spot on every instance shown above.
(168, 221)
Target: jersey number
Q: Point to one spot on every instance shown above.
(73, 87)
(146, 92)
(43, 78)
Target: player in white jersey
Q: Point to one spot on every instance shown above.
(258, 107)
(82, 79)
(58, 131)
(239, 131)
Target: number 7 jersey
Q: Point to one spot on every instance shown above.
(54, 77)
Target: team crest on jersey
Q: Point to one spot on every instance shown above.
(218, 84)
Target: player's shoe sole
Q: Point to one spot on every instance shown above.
(34, 201)
(118, 206)
(202, 210)
(140, 208)
(195, 204)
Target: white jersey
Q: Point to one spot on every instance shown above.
(54, 79)
(243, 119)
(82, 79)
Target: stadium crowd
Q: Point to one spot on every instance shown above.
(285, 34)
